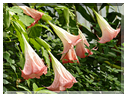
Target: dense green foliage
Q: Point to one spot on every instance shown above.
(102, 71)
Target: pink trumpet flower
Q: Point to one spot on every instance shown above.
(63, 78)
(69, 41)
(36, 15)
(34, 66)
(69, 57)
(80, 47)
(108, 33)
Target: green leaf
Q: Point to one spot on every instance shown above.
(4, 89)
(48, 74)
(5, 81)
(103, 5)
(28, 82)
(112, 54)
(21, 26)
(44, 91)
(24, 88)
(46, 57)
(73, 27)
(16, 9)
(34, 87)
(20, 39)
(66, 14)
(11, 61)
(6, 19)
(13, 67)
(6, 55)
(77, 68)
(116, 50)
(44, 26)
(40, 88)
(36, 45)
(26, 19)
(34, 31)
(43, 43)
(90, 34)
(87, 84)
(112, 15)
(4, 75)
(22, 61)
(84, 13)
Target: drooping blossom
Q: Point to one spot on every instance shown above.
(108, 33)
(34, 66)
(69, 41)
(81, 48)
(70, 57)
(63, 78)
(36, 15)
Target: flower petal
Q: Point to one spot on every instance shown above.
(80, 47)
(34, 66)
(63, 79)
(68, 39)
(70, 57)
(108, 33)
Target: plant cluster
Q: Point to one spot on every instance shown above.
(46, 49)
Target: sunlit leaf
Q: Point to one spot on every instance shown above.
(26, 19)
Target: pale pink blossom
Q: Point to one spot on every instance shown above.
(69, 41)
(63, 78)
(70, 57)
(36, 15)
(108, 33)
(34, 66)
(81, 48)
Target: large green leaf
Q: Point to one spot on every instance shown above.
(84, 13)
(16, 9)
(36, 45)
(112, 15)
(34, 31)
(18, 29)
(26, 19)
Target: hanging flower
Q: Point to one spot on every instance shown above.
(69, 41)
(70, 57)
(63, 79)
(34, 66)
(36, 15)
(81, 48)
(108, 33)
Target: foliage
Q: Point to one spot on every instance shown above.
(102, 71)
